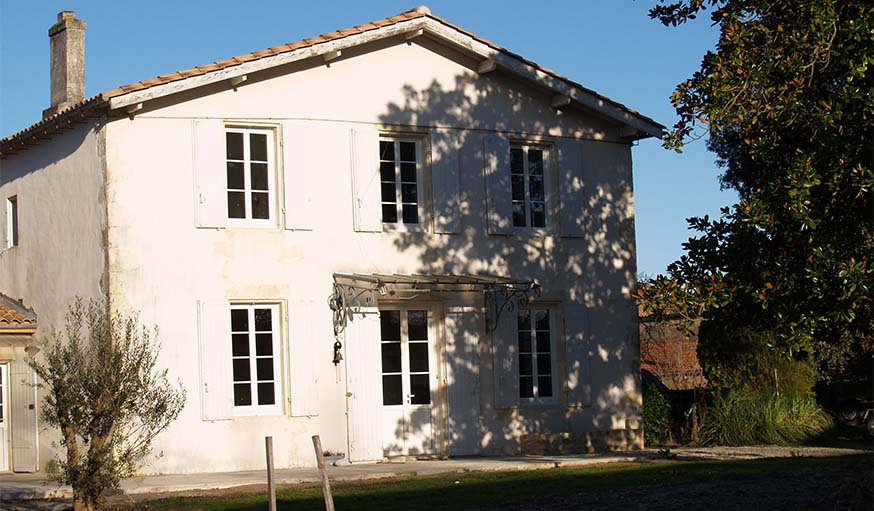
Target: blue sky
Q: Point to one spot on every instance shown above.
(610, 46)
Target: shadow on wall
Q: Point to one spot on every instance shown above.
(584, 259)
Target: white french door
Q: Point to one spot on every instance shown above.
(409, 379)
(4, 417)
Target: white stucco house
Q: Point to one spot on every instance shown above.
(399, 236)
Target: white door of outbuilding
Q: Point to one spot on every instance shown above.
(4, 417)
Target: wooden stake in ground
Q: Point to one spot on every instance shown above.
(271, 487)
(323, 473)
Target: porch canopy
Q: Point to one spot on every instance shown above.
(384, 283)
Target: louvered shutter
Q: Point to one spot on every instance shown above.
(463, 330)
(579, 379)
(445, 181)
(496, 165)
(572, 204)
(365, 386)
(309, 349)
(211, 197)
(505, 342)
(214, 339)
(300, 143)
(367, 205)
(22, 415)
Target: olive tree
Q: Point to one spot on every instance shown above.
(106, 396)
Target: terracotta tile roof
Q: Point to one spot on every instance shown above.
(14, 314)
(101, 99)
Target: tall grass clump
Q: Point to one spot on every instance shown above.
(745, 416)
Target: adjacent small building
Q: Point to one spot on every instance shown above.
(399, 236)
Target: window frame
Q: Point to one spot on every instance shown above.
(13, 232)
(421, 152)
(553, 364)
(278, 377)
(272, 178)
(547, 150)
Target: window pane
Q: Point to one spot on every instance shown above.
(260, 205)
(420, 389)
(389, 213)
(240, 345)
(541, 319)
(544, 386)
(518, 183)
(236, 180)
(543, 342)
(386, 150)
(535, 162)
(257, 147)
(525, 365)
(419, 357)
(390, 325)
(234, 143)
(387, 171)
(418, 325)
(263, 344)
(524, 341)
(259, 176)
(239, 320)
(408, 172)
(389, 192)
(264, 368)
(392, 390)
(409, 193)
(516, 165)
(265, 394)
(408, 151)
(526, 386)
(544, 364)
(263, 320)
(411, 214)
(535, 188)
(242, 394)
(519, 214)
(236, 205)
(524, 319)
(241, 370)
(391, 357)
(538, 218)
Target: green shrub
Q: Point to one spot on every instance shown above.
(752, 417)
(656, 415)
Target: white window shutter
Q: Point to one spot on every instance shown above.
(309, 348)
(505, 342)
(445, 181)
(463, 327)
(216, 377)
(579, 379)
(210, 173)
(300, 146)
(572, 207)
(22, 415)
(365, 385)
(367, 205)
(496, 165)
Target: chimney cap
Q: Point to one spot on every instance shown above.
(66, 15)
(66, 19)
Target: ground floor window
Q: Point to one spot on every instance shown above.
(255, 353)
(405, 357)
(535, 353)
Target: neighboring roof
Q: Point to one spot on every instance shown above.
(15, 317)
(419, 18)
(670, 354)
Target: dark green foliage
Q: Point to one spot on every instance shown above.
(785, 102)
(103, 393)
(656, 415)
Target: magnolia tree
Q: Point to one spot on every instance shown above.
(105, 395)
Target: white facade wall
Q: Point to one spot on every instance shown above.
(163, 265)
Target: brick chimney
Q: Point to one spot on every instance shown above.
(67, 38)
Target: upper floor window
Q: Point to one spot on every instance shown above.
(528, 187)
(251, 179)
(12, 221)
(255, 354)
(535, 353)
(400, 171)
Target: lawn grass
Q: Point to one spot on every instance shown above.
(475, 490)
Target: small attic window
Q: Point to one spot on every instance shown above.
(12, 221)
